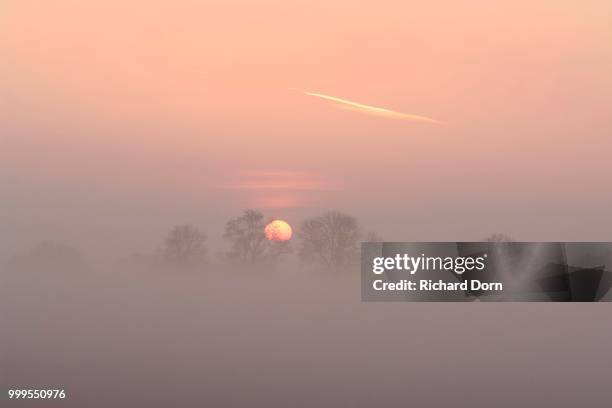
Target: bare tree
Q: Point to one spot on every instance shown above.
(248, 241)
(372, 236)
(48, 255)
(330, 240)
(184, 245)
(498, 237)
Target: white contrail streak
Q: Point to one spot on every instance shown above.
(372, 110)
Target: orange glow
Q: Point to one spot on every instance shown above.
(278, 201)
(193, 99)
(281, 180)
(278, 230)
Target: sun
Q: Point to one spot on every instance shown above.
(278, 230)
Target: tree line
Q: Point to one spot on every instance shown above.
(330, 241)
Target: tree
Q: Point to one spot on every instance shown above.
(48, 255)
(330, 240)
(248, 241)
(500, 238)
(184, 245)
(372, 236)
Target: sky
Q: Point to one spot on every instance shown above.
(119, 119)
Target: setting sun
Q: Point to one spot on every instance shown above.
(278, 230)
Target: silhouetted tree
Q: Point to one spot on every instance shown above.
(184, 245)
(248, 242)
(48, 255)
(372, 236)
(508, 253)
(330, 240)
(499, 238)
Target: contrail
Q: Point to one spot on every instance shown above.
(371, 110)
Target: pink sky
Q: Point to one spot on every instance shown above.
(143, 112)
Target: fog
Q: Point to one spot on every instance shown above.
(153, 337)
(121, 119)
